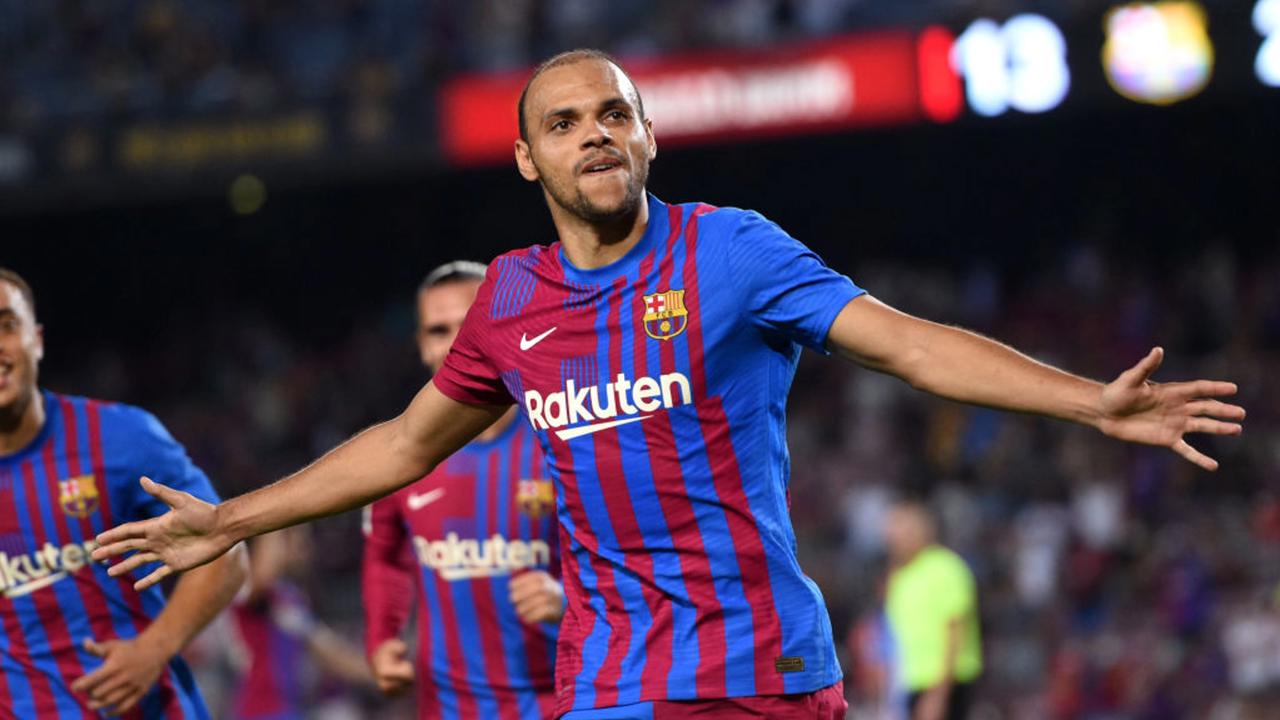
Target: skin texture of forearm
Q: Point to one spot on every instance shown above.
(959, 365)
(370, 465)
(198, 596)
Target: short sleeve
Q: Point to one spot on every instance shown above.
(468, 374)
(158, 456)
(955, 592)
(789, 290)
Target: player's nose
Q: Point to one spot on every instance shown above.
(597, 136)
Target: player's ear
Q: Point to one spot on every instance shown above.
(653, 144)
(39, 343)
(524, 161)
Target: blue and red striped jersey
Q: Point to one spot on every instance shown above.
(462, 532)
(657, 387)
(78, 477)
(272, 634)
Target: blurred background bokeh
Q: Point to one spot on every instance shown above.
(224, 208)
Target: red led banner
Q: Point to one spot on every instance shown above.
(868, 80)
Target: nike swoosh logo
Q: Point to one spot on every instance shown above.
(34, 585)
(527, 342)
(572, 433)
(417, 502)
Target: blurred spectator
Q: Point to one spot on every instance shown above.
(931, 603)
(280, 638)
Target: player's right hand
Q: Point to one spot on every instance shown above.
(181, 539)
(392, 669)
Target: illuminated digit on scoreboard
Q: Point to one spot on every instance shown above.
(1021, 64)
(1266, 18)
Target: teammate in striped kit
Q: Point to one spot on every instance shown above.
(75, 640)
(663, 423)
(482, 553)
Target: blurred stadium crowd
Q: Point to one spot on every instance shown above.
(142, 59)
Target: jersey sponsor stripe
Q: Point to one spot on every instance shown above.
(45, 638)
(72, 624)
(576, 625)
(647, 472)
(125, 604)
(29, 689)
(486, 642)
(8, 691)
(14, 659)
(709, 507)
(455, 701)
(431, 651)
(586, 497)
(756, 581)
(626, 662)
(515, 680)
(75, 445)
(126, 607)
(539, 645)
(687, 534)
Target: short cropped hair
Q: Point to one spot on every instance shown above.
(455, 271)
(14, 279)
(568, 58)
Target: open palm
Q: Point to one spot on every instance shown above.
(180, 539)
(1138, 410)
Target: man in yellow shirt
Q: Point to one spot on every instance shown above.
(933, 613)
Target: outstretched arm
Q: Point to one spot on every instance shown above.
(372, 464)
(960, 365)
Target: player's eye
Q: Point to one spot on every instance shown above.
(560, 126)
(616, 115)
(9, 325)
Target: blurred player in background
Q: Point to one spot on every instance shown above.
(477, 539)
(931, 601)
(652, 349)
(278, 635)
(75, 640)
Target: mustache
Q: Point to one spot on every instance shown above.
(595, 158)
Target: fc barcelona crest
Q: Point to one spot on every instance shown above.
(665, 315)
(78, 496)
(535, 497)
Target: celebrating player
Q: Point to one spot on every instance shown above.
(481, 534)
(76, 640)
(652, 350)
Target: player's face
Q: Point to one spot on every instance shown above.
(21, 347)
(587, 144)
(441, 310)
(905, 533)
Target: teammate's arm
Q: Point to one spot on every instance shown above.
(967, 367)
(370, 465)
(131, 667)
(388, 587)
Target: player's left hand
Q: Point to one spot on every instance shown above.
(129, 669)
(538, 597)
(1135, 409)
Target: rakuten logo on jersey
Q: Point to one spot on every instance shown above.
(623, 399)
(24, 574)
(456, 559)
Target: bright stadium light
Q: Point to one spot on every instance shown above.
(1021, 65)
(1266, 19)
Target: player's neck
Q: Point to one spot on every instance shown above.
(19, 425)
(498, 427)
(589, 245)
